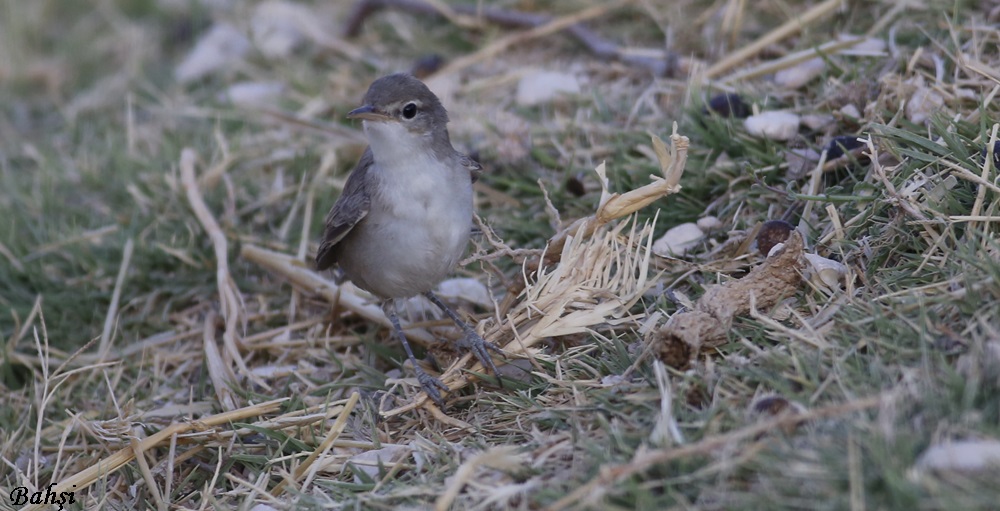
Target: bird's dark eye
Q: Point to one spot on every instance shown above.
(409, 110)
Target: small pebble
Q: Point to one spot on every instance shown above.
(278, 27)
(770, 405)
(850, 111)
(219, 48)
(800, 74)
(709, 223)
(825, 271)
(776, 125)
(996, 155)
(958, 456)
(839, 145)
(539, 86)
(800, 161)
(574, 185)
(922, 104)
(678, 240)
(728, 105)
(427, 65)
(775, 405)
(251, 94)
(817, 122)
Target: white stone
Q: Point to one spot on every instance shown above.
(709, 223)
(540, 86)
(368, 461)
(467, 289)
(776, 125)
(254, 93)
(960, 456)
(800, 74)
(800, 161)
(849, 110)
(678, 240)
(817, 122)
(277, 27)
(219, 48)
(922, 104)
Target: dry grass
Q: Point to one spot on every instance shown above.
(167, 345)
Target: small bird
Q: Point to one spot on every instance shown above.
(405, 216)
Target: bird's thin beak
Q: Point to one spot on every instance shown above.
(368, 113)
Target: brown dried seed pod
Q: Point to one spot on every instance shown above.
(771, 233)
(770, 405)
(775, 405)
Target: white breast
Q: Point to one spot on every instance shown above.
(419, 220)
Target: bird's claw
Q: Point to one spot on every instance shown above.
(431, 385)
(480, 348)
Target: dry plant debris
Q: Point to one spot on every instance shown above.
(687, 334)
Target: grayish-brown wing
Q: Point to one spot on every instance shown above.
(350, 208)
(475, 169)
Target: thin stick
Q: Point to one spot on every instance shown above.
(338, 428)
(298, 274)
(93, 234)
(788, 28)
(109, 319)
(219, 373)
(787, 61)
(502, 44)
(147, 475)
(656, 61)
(229, 301)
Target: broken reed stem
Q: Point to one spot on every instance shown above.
(773, 66)
(220, 373)
(109, 320)
(612, 206)
(229, 300)
(298, 274)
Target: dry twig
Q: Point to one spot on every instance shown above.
(657, 62)
(348, 297)
(790, 27)
(230, 302)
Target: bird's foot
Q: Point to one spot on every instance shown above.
(480, 348)
(471, 340)
(431, 385)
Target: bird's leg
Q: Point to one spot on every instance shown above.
(470, 339)
(429, 383)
